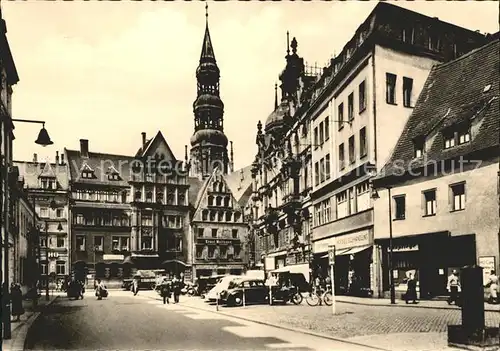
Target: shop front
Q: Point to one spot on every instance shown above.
(353, 262)
(429, 257)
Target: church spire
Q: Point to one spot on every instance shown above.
(275, 96)
(207, 50)
(208, 143)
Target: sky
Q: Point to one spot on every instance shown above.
(107, 71)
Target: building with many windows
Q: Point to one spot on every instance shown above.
(8, 78)
(46, 184)
(438, 195)
(362, 102)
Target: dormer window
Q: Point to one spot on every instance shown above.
(456, 136)
(463, 136)
(449, 139)
(418, 147)
(433, 42)
(87, 172)
(113, 176)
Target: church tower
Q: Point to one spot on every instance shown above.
(208, 143)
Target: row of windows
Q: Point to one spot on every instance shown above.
(48, 183)
(429, 203)
(217, 233)
(322, 170)
(219, 201)
(452, 137)
(58, 242)
(60, 268)
(322, 132)
(390, 91)
(350, 105)
(363, 149)
(105, 196)
(221, 216)
(101, 220)
(45, 212)
(223, 252)
(343, 204)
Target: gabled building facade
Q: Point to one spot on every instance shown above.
(341, 126)
(46, 185)
(441, 183)
(218, 230)
(361, 104)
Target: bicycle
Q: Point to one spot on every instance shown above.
(316, 297)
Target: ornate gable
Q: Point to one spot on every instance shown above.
(158, 149)
(216, 202)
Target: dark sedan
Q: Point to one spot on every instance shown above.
(251, 290)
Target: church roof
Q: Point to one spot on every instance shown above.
(207, 49)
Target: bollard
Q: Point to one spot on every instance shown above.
(244, 300)
(270, 295)
(217, 301)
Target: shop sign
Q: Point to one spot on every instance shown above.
(214, 241)
(331, 255)
(53, 255)
(488, 263)
(346, 241)
(109, 257)
(405, 248)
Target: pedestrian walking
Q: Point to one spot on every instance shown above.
(493, 285)
(165, 290)
(411, 290)
(16, 298)
(453, 287)
(135, 286)
(176, 287)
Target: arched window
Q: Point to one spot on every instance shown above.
(215, 187)
(220, 216)
(210, 200)
(226, 201)
(212, 216)
(228, 216)
(204, 215)
(218, 201)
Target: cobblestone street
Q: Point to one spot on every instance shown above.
(359, 323)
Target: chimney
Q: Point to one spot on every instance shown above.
(57, 158)
(62, 159)
(143, 139)
(35, 158)
(84, 148)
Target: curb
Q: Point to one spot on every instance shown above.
(444, 307)
(18, 340)
(292, 329)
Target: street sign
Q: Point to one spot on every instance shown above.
(331, 254)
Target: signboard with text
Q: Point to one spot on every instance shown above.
(331, 255)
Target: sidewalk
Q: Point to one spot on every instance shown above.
(20, 329)
(400, 303)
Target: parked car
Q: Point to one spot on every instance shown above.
(252, 290)
(205, 284)
(222, 284)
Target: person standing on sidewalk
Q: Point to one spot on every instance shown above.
(16, 298)
(176, 286)
(165, 290)
(411, 291)
(453, 287)
(493, 285)
(135, 286)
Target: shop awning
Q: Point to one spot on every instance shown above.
(350, 251)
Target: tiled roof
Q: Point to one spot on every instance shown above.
(195, 185)
(100, 163)
(454, 92)
(240, 183)
(31, 172)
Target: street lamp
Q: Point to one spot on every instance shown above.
(43, 136)
(375, 196)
